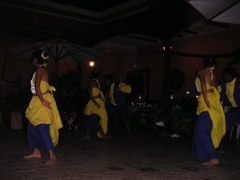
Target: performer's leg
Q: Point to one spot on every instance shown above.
(33, 137)
(123, 115)
(86, 125)
(33, 141)
(52, 158)
(96, 122)
(92, 122)
(36, 154)
(202, 143)
(111, 113)
(101, 133)
(46, 142)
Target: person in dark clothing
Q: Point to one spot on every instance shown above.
(71, 109)
(230, 95)
(115, 99)
(183, 109)
(95, 115)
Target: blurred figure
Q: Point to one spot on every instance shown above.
(70, 107)
(182, 109)
(95, 113)
(115, 100)
(230, 95)
(210, 126)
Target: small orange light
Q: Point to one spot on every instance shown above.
(91, 63)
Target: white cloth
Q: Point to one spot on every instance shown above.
(32, 83)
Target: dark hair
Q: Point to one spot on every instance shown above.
(114, 76)
(71, 89)
(38, 55)
(94, 74)
(109, 77)
(230, 70)
(209, 62)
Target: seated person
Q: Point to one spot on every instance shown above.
(182, 109)
(71, 107)
(156, 115)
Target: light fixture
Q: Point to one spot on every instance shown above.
(91, 63)
(167, 45)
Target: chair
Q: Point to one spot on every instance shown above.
(185, 123)
(143, 117)
(16, 120)
(237, 131)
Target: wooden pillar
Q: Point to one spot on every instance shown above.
(56, 79)
(4, 66)
(79, 77)
(166, 72)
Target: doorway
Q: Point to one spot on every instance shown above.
(139, 81)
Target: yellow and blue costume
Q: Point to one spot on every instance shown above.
(210, 126)
(91, 120)
(230, 94)
(122, 88)
(43, 123)
(115, 100)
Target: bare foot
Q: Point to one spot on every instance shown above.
(51, 162)
(211, 162)
(32, 156)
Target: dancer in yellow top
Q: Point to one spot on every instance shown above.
(95, 113)
(210, 126)
(42, 112)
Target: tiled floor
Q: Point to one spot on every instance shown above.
(148, 157)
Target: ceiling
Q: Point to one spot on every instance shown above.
(138, 22)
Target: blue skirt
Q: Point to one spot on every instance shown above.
(120, 110)
(92, 122)
(202, 147)
(39, 137)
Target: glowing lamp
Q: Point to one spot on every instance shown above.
(91, 63)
